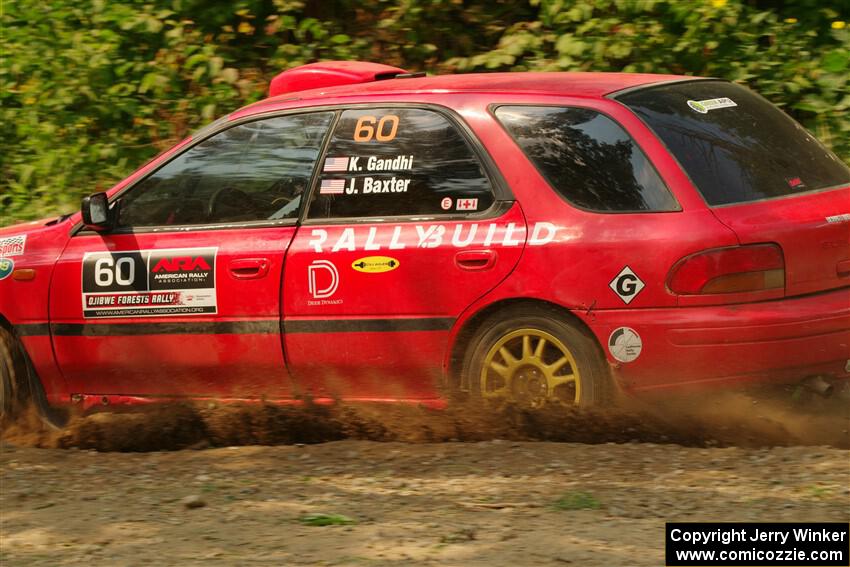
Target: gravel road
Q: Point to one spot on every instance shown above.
(487, 503)
(494, 502)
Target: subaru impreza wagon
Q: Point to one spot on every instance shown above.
(369, 234)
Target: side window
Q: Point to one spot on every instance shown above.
(399, 161)
(588, 158)
(255, 171)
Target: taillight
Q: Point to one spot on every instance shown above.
(740, 269)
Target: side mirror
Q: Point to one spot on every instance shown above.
(96, 213)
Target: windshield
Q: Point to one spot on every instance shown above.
(735, 146)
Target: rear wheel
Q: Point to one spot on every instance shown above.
(533, 356)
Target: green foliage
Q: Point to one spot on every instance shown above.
(803, 68)
(577, 501)
(90, 89)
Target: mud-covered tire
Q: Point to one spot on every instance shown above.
(527, 378)
(21, 387)
(13, 377)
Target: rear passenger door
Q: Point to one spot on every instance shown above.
(405, 229)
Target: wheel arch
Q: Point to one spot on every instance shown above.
(471, 324)
(32, 383)
(6, 324)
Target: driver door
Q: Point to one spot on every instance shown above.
(182, 297)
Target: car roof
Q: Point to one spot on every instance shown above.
(580, 84)
(557, 83)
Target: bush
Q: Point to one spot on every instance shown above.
(92, 89)
(800, 63)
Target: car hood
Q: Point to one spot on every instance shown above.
(30, 226)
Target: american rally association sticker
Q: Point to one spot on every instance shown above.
(6, 267)
(13, 245)
(626, 285)
(149, 283)
(375, 264)
(625, 344)
(703, 106)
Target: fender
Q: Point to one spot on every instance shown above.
(24, 300)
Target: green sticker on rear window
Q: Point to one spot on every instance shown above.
(703, 106)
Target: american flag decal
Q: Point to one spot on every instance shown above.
(332, 186)
(336, 164)
(12, 245)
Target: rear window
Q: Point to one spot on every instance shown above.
(735, 146)
(587, 158)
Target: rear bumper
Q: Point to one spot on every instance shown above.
(779, 341)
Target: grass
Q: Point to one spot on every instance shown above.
(820, 491)
(577, 501)
(319, 519)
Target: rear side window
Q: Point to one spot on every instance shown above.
(734, 145)
(399, 162)
(587, 158)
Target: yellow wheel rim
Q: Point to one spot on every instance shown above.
(531, 367)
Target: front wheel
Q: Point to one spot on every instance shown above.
(533, 356)
(12, 377)
(20, 387)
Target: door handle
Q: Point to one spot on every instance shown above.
(842, 269)
(249, 268)
(475, 260)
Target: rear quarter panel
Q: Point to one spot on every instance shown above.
(589, 250)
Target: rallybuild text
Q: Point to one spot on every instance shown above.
(743, 544)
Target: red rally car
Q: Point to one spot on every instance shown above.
(369, 234)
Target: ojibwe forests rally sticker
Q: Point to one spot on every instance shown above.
(149, 283)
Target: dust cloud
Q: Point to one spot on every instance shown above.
(713, 420)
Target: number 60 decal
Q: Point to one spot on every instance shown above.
(369, 127)
(104, 269)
